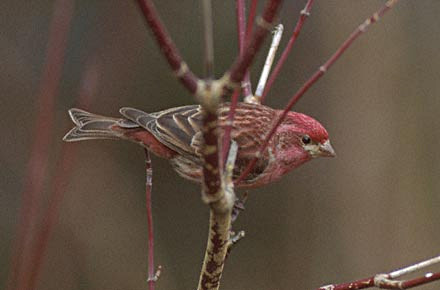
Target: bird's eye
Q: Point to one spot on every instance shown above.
(306, 139)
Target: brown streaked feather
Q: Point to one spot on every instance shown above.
(180, 128)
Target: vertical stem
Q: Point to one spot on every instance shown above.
(241, 33)
(148, 202)
(209, 39)
(39, 152)
(251, 18)
(213, 263)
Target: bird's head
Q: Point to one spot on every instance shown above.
(302, 138)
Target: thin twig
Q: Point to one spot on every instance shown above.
(387, 281)
(167, 46)
(241, 33)
(278, 32)
(315, 77)
(152, 276)
(251, 19)
(209, 39)
(39, 151)
(247, 84)
(264, 25)
(305, 13)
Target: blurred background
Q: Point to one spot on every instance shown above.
(372, 209)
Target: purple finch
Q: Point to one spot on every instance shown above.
(175, 134)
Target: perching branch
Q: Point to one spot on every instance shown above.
(388, 281)
(219, 228)
(167, 46)
(316, 76)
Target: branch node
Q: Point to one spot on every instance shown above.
(183, 69)
(227, 82)
(305, 12)
(156, 275)
(327, 287)
(235, 238)
(238, 206)
(264, 24)
(252, 99)
(383, 280)
(209, 94)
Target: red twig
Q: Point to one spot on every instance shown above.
(167, 46)
(247, 88)
(302, 18)
(152, 276)
(316, 76)
(58, 187)
(382, 282)
(37, 164)
(251, 18)
(241, 33)
(242, 63)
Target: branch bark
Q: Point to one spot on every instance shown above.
(167, 46)
(388, 281)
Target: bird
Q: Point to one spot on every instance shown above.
(176, 134)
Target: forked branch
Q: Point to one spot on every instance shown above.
(388, 281)
(264, 26)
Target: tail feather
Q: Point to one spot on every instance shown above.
(90, 126)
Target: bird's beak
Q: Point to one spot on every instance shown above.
(326, 150)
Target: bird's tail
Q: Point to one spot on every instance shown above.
(90, 126)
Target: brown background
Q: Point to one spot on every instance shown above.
(372, 209)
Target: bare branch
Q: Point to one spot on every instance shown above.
(37, 164)
(152, 277)
(278, 32)
(305, 13)
(241, 64)
(315, 77)
(219, 229)
(251, 18)
(241, 22)
(387, 281)
(167, 46)
(209, 39)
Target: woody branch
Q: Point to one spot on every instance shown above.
(389, 281)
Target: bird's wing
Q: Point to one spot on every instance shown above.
(177, 128)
